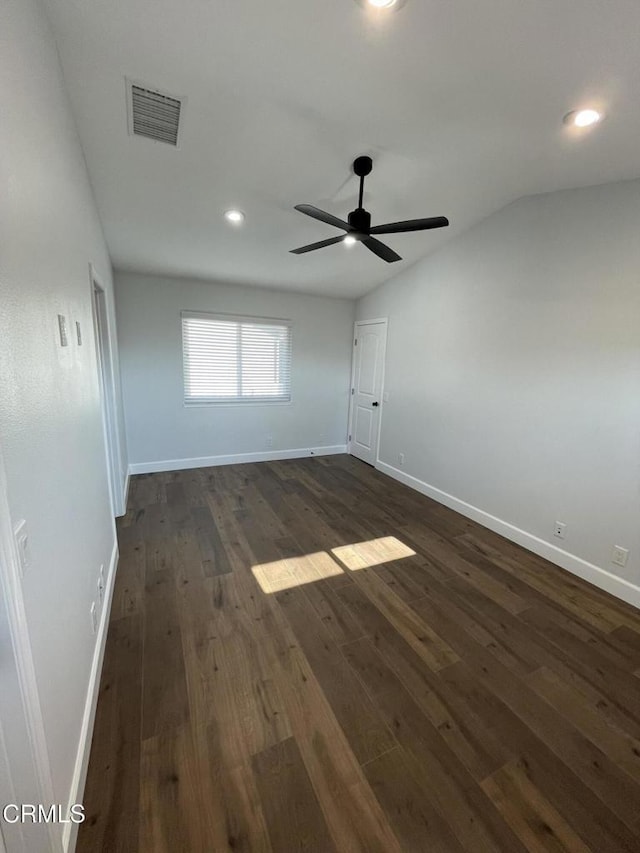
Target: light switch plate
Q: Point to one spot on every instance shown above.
(62, 328)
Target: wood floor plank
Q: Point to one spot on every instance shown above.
(530, 814)
(578, 804)
(579, 660)
(307, 655)
(293, 814)
(367, 734)
(590, 763)
(179, 510)
(231, 686)
(165, 704)
(416, 822)
(128, 592)
(336, 617)
(432, 648)
(353, 815)
(214, 555)
(444, 779)
(446, 552)
(112, 792)
(619, 745)
(574, 597)
(577, 640)
(476, 747)
(258, 707)
(629, 638)
(179, 811)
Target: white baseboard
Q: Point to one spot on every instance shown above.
(125, 492)
(70, 832)
(576, 565)
(233, 459)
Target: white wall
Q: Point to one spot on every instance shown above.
(50, 419)
(513, 372)
(161, 431)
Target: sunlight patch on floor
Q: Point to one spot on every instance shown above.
(295, 571)
(309, 568)
(374, 552)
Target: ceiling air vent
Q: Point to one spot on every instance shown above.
(153, 114)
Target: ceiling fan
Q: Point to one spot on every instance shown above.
(359, 228)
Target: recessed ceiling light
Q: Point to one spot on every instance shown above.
(349, 240)
(236, 217)
(382, 4)
(583, 118)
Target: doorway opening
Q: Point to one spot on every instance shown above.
(106, 378)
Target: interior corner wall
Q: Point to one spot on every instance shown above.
(513, 375)
(50, 414)
(163, 434)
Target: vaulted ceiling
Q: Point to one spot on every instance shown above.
(460, 103)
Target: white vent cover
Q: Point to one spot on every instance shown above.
(153, 114)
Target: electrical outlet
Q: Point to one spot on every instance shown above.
(93, 613)
(401, 458)
(619, 555)
(100, 585)
(559, 529)
(79, 333)
(269, 441)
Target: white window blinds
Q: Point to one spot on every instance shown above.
(235, 359)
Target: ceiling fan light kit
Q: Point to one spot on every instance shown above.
(358, 227)
(235, 217)
(381, 6)
(583, 118)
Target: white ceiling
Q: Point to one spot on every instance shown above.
(459, 102)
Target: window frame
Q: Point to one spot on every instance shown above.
(237, 401)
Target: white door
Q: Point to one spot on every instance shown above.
(18, 775)
(366, 393)
(22, 777)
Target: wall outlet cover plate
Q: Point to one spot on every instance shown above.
(619, 556)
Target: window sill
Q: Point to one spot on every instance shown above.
(243, 405)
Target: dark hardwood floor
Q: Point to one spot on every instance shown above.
(308, 656)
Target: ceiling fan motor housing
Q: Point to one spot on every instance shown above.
(360, 219)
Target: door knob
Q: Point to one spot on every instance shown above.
(375, 404)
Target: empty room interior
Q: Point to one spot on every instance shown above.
(319, 426)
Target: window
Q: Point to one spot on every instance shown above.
(235, 359)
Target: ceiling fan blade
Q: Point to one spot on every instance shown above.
(411, 225)
(316, 213)
(313, 246)
(380, 250)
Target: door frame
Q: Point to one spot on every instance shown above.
(102, 334)
(21, 656)
(385, 321)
